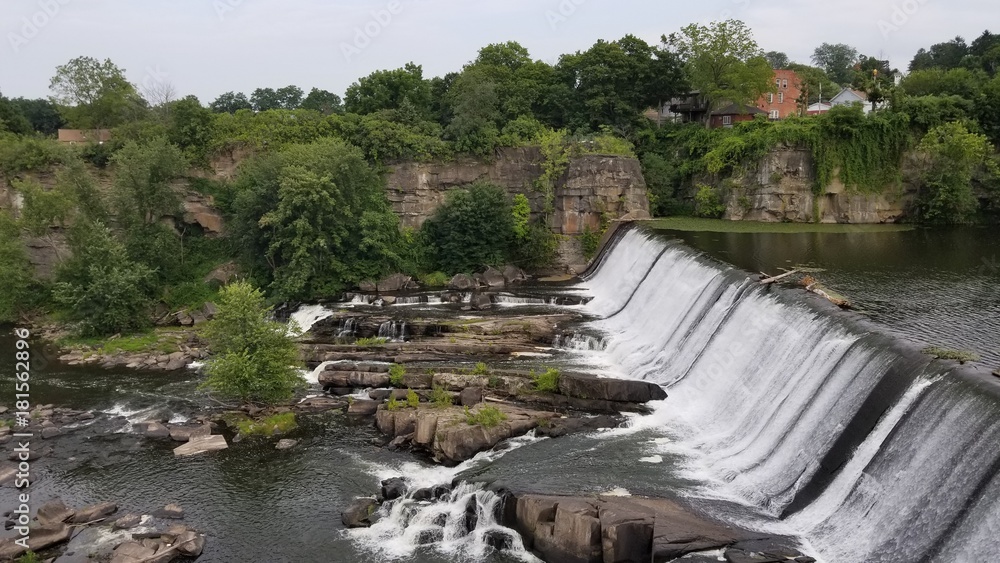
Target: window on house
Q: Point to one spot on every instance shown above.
(770, 98)
(775, 114)
(727, 120)
(784, 83)
(777, 82)
(781, 97)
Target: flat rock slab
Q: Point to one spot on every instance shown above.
(202, 445)
(585, 386)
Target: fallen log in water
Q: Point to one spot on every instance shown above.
(813, 285)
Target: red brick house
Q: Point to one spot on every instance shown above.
(784, 101)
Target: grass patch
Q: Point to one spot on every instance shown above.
(440, 398)
(29, 557)
(270, 426)
(961, 356)
(412, 399)
(487, 417)
(377, 341)
(695, 224)
(481, 369)
(189, 295)
(396, 373)
(147, 342)
(547, 382)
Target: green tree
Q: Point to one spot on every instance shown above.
(723, 62)
(324, 102)
(777, 59)
(94, 95)
(814, 83)
(614, 82)
(954, 154)
(190, 127)
(254, 360)
(230, 102)
(42, 114)
(289, 97)
(474, 228)
(142, 189)
(837, 60)
(12, 119)
(386, 89)
(105, 291)
(15, 271)
(945, 56)
(264, 99)
(314, 219)
(474, 124)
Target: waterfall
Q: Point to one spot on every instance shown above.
(348, 328)
(393, 330)
(865, 449)
(308, 315)
(509, 300)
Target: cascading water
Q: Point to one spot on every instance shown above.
(865, 450)
(393, 330)
(308, 315)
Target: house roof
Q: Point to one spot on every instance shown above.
(739, 109)
(849, 93)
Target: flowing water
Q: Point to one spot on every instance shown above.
(784, 415)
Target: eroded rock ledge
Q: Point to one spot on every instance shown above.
(606, 529)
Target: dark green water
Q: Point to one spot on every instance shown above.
(933, 287)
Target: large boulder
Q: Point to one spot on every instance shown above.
(367, 379)
(481, 302)
(362, 408)
(463, 282)
(585, 386)
(514, 275)
(188, 432)
(199, 210)
(54, 512)
(396, 282)
(42, 537)
(94, 513)
(202, 445)
(492, 278)
(359, 514)
(222, 275)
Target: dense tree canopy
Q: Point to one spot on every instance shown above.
(723, 62)
(837, 60)
(92, 94)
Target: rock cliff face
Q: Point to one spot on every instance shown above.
(780, 189)
(592, 187)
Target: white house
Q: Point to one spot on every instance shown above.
(848, 96)
(821, 107)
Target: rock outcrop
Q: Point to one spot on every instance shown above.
(608, 529)
(780, 189)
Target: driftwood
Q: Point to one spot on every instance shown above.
(779, 278)
(812, 285)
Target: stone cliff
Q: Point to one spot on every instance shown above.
(593, 187)
(780, 189)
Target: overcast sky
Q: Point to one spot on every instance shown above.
(207, 47)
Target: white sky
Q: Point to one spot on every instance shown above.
(207, 47)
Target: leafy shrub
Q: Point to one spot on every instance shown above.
(393, 404)
(707, 202)
(396, 374)
(481, 369)
(412, 399)
(472, 229)
(435, 279)
(548, 381)
(955, 153)
(254, 358)
(485, 416)
(589, 242)
(440, 398)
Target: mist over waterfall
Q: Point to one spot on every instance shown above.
(862, 447)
